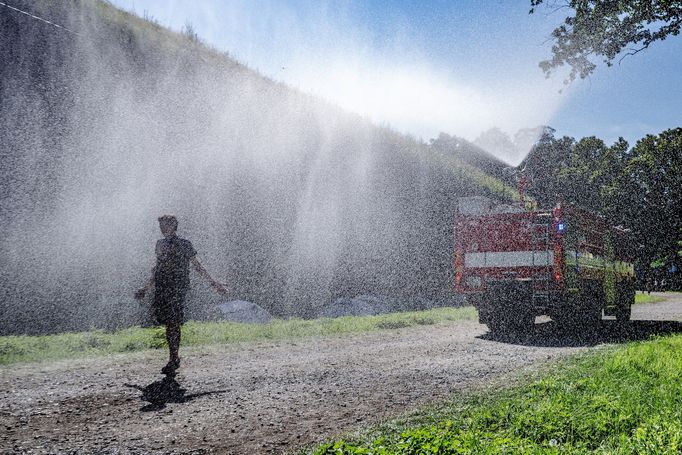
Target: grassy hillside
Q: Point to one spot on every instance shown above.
(288, 199)
(470, 166)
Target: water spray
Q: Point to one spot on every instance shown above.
(33, 16)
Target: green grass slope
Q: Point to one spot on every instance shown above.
(169, 41)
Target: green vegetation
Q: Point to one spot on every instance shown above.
(607, 30)
(598, 177)
(623, 400)
(648, 298)
(74, 345)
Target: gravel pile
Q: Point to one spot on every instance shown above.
(243, 311)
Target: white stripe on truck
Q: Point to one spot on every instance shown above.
(508, 259)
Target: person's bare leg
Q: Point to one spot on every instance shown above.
(173, 338)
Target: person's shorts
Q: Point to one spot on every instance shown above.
(169, 306)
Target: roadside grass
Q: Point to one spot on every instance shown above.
(648, 298)
(617, 400)
(15, 349)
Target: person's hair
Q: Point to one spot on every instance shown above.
(169, 221)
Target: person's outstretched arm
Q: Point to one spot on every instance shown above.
(140, 293)
(219, 287)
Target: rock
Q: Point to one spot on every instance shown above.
(243, 311)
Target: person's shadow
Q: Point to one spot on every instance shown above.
(159, 393)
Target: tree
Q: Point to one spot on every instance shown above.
(655, 174)
(543, 165)
(639, 188)
(580, 179)
(608, 29)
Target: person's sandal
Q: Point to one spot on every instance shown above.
(171, 366)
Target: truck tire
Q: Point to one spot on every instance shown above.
(578, 320)
(626, 298)
(510, 324)
(623, 313)
(587, 314)
(510, 311)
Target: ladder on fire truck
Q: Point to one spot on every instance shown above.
(540, 242)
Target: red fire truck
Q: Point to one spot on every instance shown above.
(514, 264)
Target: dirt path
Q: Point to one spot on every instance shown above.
(268, 397)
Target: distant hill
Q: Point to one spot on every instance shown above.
(471, 154)
(288, 199)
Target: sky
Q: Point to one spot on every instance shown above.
(421, 68)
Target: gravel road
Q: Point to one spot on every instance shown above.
(271, 397)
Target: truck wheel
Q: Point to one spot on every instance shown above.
(626, 297)
(565, 319)
(594, 314)
(500, 326)
(623, 313)
(510, 312)
(517, 324)
(589, 313)
(497, 326)
(591, 316)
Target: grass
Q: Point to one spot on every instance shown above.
(617, 400)
(648, 298)
(15, 349)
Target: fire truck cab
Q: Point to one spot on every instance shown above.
(514, 264)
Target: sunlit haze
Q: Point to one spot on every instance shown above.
(423, 101)
(455, 67)
(420, 71)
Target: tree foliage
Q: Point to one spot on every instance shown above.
(608, 29)
(639, 187)
(655, 176)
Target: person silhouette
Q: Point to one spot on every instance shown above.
(170, 280)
